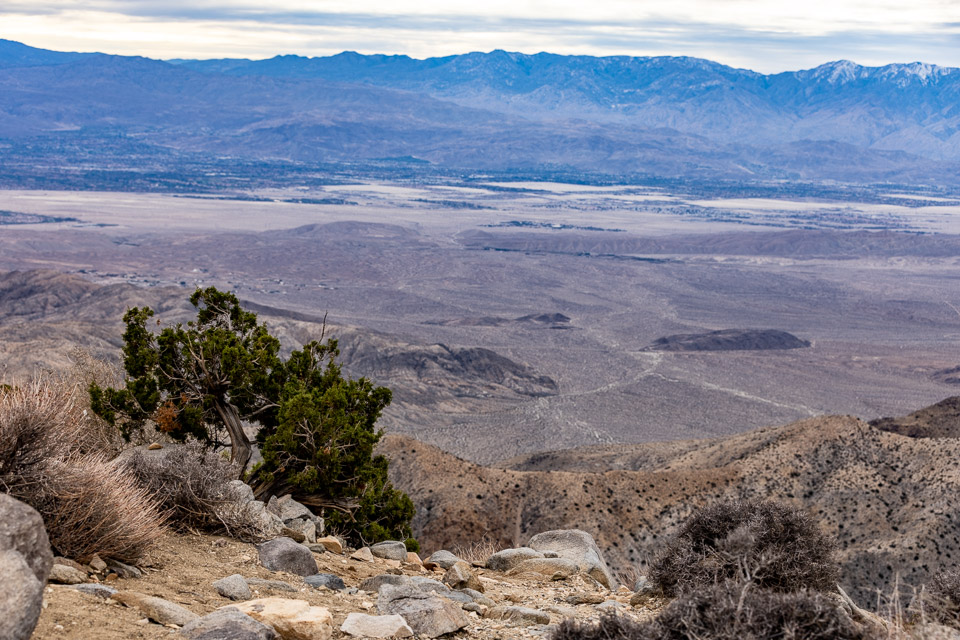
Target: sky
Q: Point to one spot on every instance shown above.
(763, 35)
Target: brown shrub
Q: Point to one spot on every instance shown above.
(190, 483)
(730, 612)
(91, 505)
(36, 425)
(942, 601)
(772, 545)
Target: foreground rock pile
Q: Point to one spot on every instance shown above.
(208, 588)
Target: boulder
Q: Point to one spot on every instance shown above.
(157, 609)
(240, 491)
(427, 614)
(509, 558)
(234, 587)
(429, 584)
(292, 619)
(97, 565)
(327, 580)
(553, 568)
(443, 559)
(270, 524)
(413, 558)
(390, 550)
(459, 576)
(228, 623)
(21, 595)
(363, 626)
(518, 616)
(578, 546)
(289, 509)
(63, 574)
(283, 554)
(304, 529)
(331, 544)
(478, 597)
(22, 530)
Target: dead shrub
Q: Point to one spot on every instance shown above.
(88, 504)
(36, 426)
(942, 598)
(730, 612)
(190, 483)
(769, 544)
(91, 505)
(95, 435)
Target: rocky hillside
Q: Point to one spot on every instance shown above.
(890, 500)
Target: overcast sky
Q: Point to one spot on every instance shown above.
(765, 35)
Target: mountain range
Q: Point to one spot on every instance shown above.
(662, 116)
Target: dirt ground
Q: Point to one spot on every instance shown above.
(183, 568)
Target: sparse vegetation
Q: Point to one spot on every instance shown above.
(317, 429)
(89, 504)
(942, 601)
(768, 544)
(730, 612)
(190, 483)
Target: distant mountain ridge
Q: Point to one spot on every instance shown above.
(661, 116)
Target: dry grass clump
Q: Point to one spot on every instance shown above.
(730, 612)
(89, 505)
(190, 483)
(942, 600)
(769, 544)
(479, 551)
(93, 506)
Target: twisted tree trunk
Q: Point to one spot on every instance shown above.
(240, 449)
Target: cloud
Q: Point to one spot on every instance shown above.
(758, 34)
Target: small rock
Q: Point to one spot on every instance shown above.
(228, 623)
(157, 609)
(98, 565)
(154, 446)
(364, 626)
(427, 614)
(293, 534)
(610, 606)
(478, 597)
(519, 616)
(476, 607)
(372, 585)
(443, 559)
(234, 587)
(62, 574)
(585, 598)
(289, 509)
(292, 619)
(67, 562)
(276, 585)
(413, 558)
(21, 593)
(124, 570)
(641, 583)
(429, 584)
(327, 580)
(331, 544)
(363, 554)
(459, 576)
(93, 589)
(283, 554)
(270, 524)
(563, 612)
(389, 550)
(304, 527)
(509, 558)
(644, 592)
